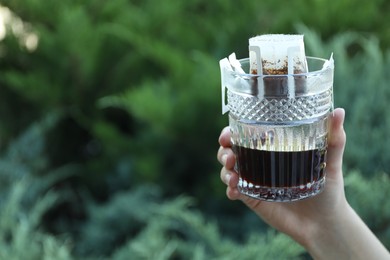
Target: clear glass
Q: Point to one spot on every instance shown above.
(279, 126)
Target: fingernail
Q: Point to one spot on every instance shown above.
(227, 178)
(224, 159)
(342, 121)
(226, 129)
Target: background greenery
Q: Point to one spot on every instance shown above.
(110, 114)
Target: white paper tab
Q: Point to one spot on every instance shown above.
(272, 54)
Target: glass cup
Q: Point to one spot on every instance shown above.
(279, 129)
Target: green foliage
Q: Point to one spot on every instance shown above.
(116, 111)
(25, 198)
(370, 199)
(174, 231)
(133, 223)
(20, 235)
(151, 228)
(137, 80)
(368, 17)
(169, 230)
(137, 223)
(361, 87)
(117, 220)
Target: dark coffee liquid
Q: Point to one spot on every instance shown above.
(279, 169)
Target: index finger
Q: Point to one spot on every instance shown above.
(224, 138)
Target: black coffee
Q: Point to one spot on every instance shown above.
(279, 169)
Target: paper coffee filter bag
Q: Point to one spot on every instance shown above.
(273, 54)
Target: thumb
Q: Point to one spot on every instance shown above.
(336, 142)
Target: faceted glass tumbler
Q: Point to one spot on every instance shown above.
(279, 129)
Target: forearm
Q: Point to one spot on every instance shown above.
(350, 238)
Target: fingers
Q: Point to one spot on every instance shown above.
(336, 142)
(233, 193)
(224, 138)
(226, 157)
(228, 175)
(230, 178)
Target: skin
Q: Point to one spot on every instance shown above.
(325, 224)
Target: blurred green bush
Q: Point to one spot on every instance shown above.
(120, 94)
(137, 223)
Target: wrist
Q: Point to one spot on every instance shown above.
(327, 238)
(346, 237)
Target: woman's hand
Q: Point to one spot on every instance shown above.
(318, 223)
